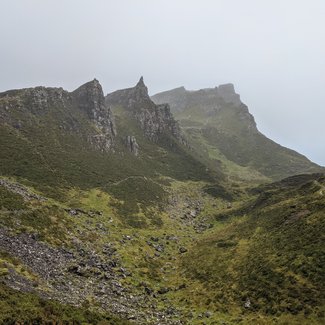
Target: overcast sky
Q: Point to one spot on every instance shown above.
(273, 51)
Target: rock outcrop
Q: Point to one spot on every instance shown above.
(154, 120)
(90, 98)
(132, 145)
(207, 99)
(227, 92)
(37, 101)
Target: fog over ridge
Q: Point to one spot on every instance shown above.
(272, 51)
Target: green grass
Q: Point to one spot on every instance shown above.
(269, 252)
(266, 246)
(229, 134)
(10, 201)
(28, 308)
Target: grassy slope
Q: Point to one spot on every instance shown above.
(17, 307)
(270, 252)
(268, 249)
(250, 252)
(50, 152)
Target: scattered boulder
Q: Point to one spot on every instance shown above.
(163, 290)
(182, 250)
(247, 303)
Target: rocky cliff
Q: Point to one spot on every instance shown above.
(153, 119)
(25, 108)
(204, 99)
(90, 98)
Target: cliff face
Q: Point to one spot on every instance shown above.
(206, 99)
(90, 98)
(153, 119)
(41, 105)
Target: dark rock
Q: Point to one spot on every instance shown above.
(182, 250)
(159, 247)
(148, 291)
(182, 286)
(163, 290)
(172, 238)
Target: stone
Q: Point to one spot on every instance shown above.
(148, 290)
(163, 290)
(208, 314)
(247, 303)
(159, 247)
(182, 250)
(90, 98)
(132, 145)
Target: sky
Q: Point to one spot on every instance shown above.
(273, 51)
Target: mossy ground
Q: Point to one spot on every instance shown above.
(263, 248)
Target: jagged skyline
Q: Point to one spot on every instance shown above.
(271, 52)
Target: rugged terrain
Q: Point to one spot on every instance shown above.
(113, 212)
(216, 121)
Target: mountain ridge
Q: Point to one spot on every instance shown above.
(113, 212)
(153, 119)
(224, 122)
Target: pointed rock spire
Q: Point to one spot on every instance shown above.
(141, 88)
(140, 82)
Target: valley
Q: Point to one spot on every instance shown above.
(113, 212)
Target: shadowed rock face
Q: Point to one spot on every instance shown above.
(90, 97)
(153, 119)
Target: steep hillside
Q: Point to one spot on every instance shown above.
(217, 120)
(267, 258)
(55, 140)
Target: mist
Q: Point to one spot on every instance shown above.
(272, 51)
